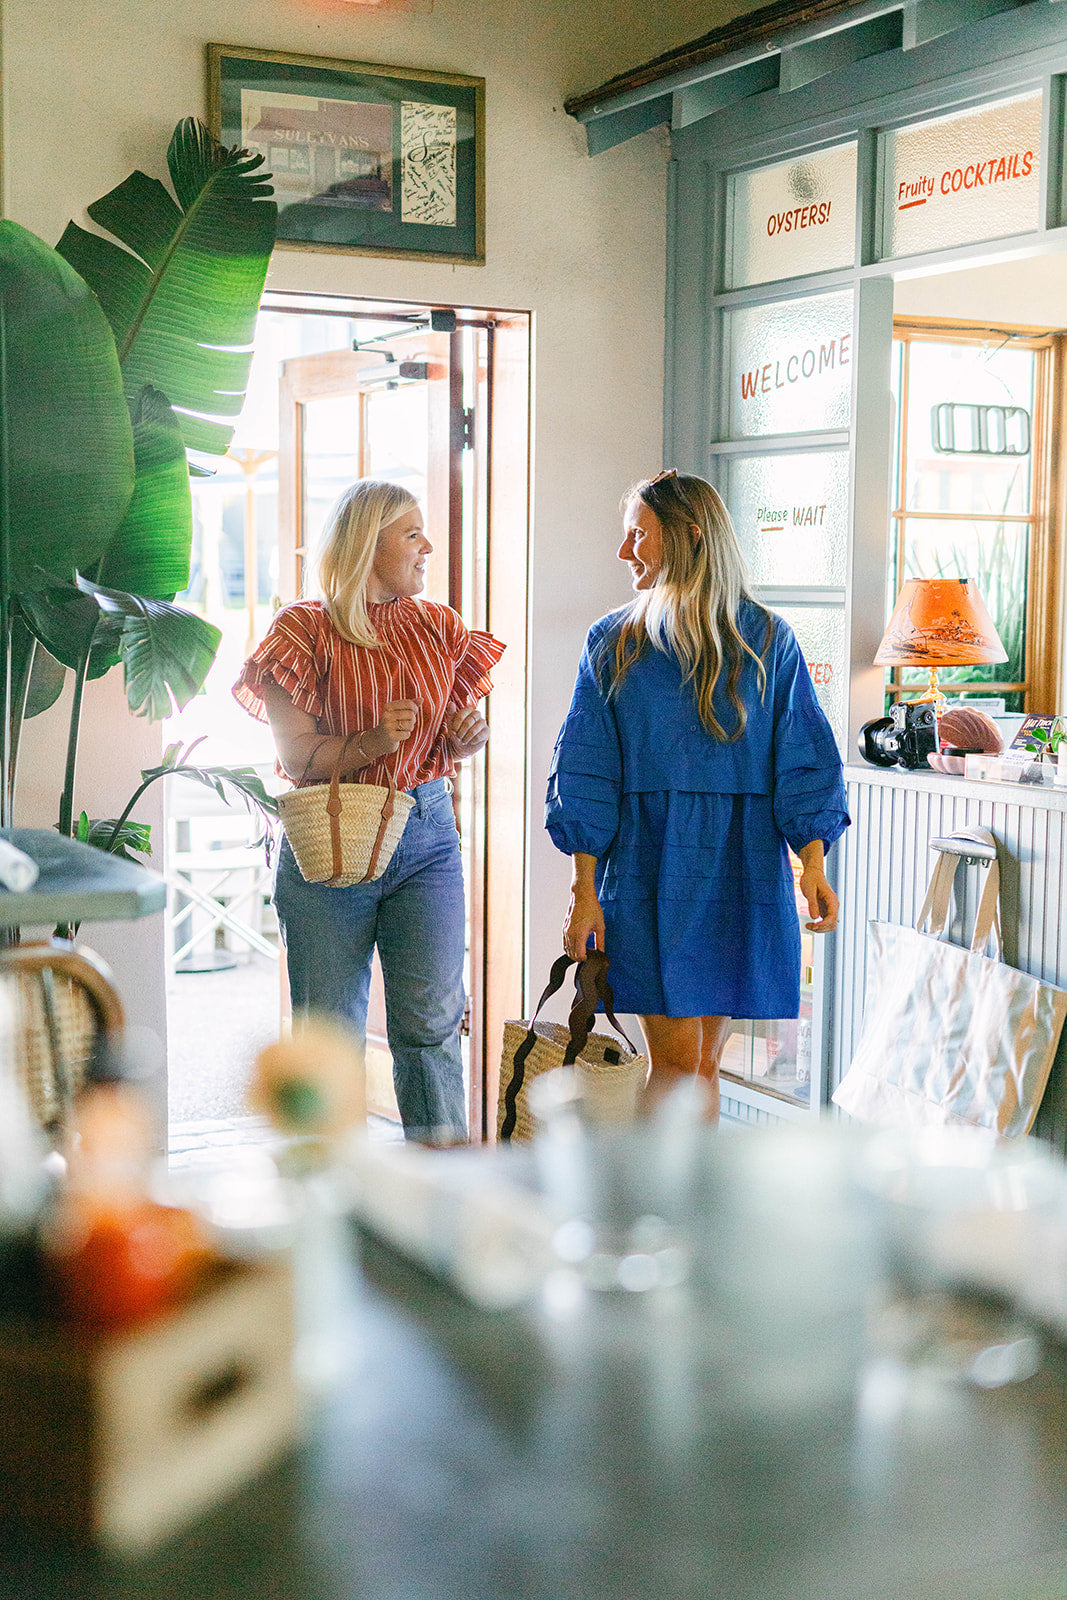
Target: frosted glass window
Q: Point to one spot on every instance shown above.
(791, 516)
(794, 217)
(790, 365)
(973, 175)
(820, 632)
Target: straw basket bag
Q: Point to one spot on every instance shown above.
(610, 1077)
(343, 833)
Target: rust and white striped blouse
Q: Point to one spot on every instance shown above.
(426, 654)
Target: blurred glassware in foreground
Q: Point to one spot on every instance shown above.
(624, 1191)
(962, 1210)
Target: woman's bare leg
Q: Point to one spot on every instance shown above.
(714, 1032)
(679, 1047)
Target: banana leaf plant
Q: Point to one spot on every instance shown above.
(115, 360)
(121, 835)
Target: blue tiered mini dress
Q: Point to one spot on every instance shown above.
(690, 832)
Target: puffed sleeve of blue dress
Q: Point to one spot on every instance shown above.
(692, 833)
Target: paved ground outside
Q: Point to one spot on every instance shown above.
(216, 1022)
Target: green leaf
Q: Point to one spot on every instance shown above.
(47, 677)
(100, 832)
(67, 439)
(184, 303)
(67, 622)
(166, 651)
(62, 618)
(150, 551)
(244, 782)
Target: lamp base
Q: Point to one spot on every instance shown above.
(934, 693)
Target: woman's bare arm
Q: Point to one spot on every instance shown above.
(296, 736)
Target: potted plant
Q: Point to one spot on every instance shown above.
(116, 360)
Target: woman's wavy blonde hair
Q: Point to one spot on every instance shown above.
(345, 553)
(691, 611)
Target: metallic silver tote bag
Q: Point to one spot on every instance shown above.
(951, 1035)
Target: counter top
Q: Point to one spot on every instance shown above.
(1040, 797)
(77, 883)
(740, 1438)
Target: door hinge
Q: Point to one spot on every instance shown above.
(465, 428)
(465, 1025)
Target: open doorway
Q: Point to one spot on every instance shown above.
(436, 398)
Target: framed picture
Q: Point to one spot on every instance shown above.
(388, 161)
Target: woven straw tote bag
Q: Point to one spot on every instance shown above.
(343, 833)
(610, 1075)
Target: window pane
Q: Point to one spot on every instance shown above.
(820, 632)
(995, 557)
(791, 516)
(972, 175)
(790, 365)
(776, 1054)
(971, 376)
(792, 218)
(331, 457)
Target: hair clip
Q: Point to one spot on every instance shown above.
(668, 472)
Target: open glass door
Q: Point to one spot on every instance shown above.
(400, 408)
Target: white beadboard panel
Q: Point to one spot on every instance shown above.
(884, 863)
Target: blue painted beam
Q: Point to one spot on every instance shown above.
(805, 63)
(618, 126)
(701, 99)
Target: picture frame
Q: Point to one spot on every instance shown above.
(383, 161)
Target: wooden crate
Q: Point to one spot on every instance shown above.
(121, 1439)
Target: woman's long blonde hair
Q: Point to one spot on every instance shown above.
(345, 553)
(691, 610)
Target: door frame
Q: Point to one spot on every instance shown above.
(501, 437)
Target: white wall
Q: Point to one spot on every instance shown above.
(1031, 293)
(93, 91)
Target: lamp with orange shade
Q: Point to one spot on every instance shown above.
(939, 622)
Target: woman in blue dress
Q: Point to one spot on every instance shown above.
(694, 755)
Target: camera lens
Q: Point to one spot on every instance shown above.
(877, 742)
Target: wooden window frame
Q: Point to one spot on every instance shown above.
(1041, 685)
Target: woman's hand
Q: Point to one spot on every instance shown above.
(467, 731)
(397, 724)
(822, 901)
(584, 921)
(585, 918)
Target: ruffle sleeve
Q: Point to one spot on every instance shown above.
(585, 777)
(478, 653)
(289, 655)
(809, 787)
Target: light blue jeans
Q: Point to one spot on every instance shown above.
(414, 914)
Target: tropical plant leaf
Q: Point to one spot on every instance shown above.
(67, 622)
(150, 551)
(244, 782)
(66, 435)
(47, 677)
(166, 651)
(183, 305)
(62, 618)
(118, 839)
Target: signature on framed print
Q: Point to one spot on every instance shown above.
(388, 161)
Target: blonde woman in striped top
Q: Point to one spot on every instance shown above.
(404, 676)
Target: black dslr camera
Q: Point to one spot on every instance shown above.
(903, 739)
